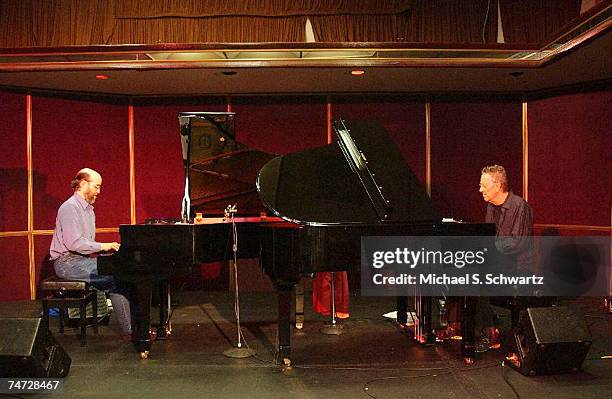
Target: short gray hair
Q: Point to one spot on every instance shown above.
(498, 173)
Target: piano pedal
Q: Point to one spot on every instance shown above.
(153, 335)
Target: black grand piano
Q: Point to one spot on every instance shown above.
(218, 171)
(334, 195)
(326, 198)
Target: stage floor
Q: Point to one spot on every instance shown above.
(373, 359)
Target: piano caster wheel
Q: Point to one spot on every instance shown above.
(299, 326)
(286, 362)
(143, 355)
(468, 361)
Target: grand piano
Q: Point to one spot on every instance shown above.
(332, 196)
(218, 171)
(323, 200)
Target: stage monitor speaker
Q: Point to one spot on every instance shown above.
(550, 340)
(28, 350)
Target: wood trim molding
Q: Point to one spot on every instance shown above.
(50, 232)
(428, 146)
(31, 260)
(132, 171)
(525, 135)
(581, 227)
(271, 63)
(23, 233)
(292, 46)
(42, 232)
(108, 230)
(329, 116)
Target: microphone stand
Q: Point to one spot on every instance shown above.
(186, 149)
(238, 351)
(186, 202)
(333, 328)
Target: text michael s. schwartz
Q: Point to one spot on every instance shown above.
(466, 279)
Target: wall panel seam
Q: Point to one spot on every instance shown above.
(428, 146)
(31, 260)
(131, 163)
(525, 136)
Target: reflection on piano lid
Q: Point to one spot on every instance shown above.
(221, 170)
(362, 178)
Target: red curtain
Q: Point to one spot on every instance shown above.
(321, 294)
(533, 21)
(433, 21)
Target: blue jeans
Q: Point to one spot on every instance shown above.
(77, 267)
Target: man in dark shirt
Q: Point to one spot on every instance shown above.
(513, 220)
(512, 216)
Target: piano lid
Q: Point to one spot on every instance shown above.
(361, 178)
(221, 170)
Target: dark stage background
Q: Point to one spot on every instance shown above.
(569, 165)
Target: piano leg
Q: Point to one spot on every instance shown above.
(164, 329)
(141, 318)
(402, 309)
(429, 336)
(285, 296)
(299, 304)
(468, 327)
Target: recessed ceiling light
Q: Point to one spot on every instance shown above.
(102, 77)
(357, 72)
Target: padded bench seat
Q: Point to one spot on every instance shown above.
(64, 294)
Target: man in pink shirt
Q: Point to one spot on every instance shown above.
(74, 250)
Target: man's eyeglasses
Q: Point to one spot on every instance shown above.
(96, 186)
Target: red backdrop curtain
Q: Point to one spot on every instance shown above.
(533, 21)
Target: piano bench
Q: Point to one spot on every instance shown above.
(65, 294)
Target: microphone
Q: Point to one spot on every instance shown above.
(230, 210)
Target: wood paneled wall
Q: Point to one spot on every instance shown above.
(569, 157)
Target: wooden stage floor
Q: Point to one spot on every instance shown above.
(373, 359)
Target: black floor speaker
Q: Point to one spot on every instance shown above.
(28, 350)
(550, 340)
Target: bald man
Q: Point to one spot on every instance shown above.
(74, 248)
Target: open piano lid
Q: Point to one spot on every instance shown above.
(361, 178)
(221, 170)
